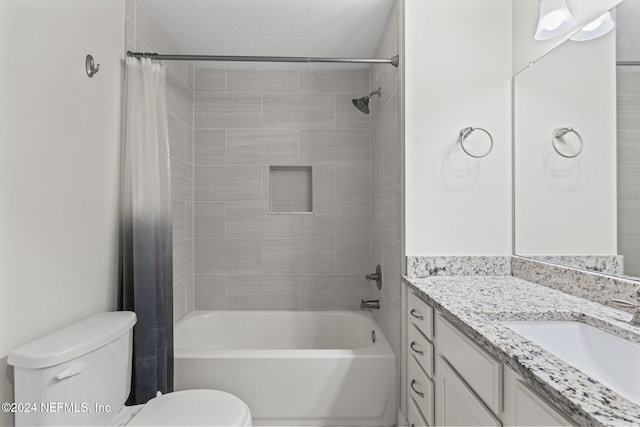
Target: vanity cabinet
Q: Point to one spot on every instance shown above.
(452, 381)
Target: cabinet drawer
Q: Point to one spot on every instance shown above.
(421, 349)
(414, 416)
(476, 367)
(420, 314)
(456, 404)
(421, 389)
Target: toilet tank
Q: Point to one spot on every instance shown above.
(77, 375)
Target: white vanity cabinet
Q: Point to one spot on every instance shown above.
(452, 381)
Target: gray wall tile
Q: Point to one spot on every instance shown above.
(228, 183)
(262, 81)
(350, 227)
(209, 220)
(355, 80)
(182, 259)
(262, 146)
(179, 220)
(177, 137)
(386, 127)
(210, 80)
(189, 220)
(190, 294)
(628, 148)
(342, 208)
(227, 256)
(228, 110)
(181, 180)
(346, 147)
(246, 258)
(179, 300)
(298, 256)
(629, 112)
(353, 256)
(323, 183)
(299, 110)
(251, 220)
(262, 293)
(210, 146)
(210, 293)
(179, 99)
(353, 183)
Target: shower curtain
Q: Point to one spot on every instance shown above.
(146, 271)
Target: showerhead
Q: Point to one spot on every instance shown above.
(362, 104)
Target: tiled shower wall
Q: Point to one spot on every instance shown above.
(629, 167)
(142, 34)
(246, 121)
(387, 184)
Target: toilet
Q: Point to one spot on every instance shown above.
(81, 375)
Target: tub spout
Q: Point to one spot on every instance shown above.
(373, 304)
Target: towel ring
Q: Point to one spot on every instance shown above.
(559, 133)
(464, 134)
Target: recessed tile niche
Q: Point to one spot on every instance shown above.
(290, 190)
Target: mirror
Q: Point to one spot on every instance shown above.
(577, 152)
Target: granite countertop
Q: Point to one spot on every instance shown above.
(477, 305)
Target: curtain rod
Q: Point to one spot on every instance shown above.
(393, 61)
(628, 63)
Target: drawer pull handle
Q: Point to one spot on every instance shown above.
(413, 347)
(415, 314)
(413, 383)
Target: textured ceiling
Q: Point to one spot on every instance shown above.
(339, 28)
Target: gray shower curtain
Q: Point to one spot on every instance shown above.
(146, 279)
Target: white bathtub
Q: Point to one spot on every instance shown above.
(291, 368)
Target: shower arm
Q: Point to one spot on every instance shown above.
(301, 59)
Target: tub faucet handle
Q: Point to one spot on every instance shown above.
(377, 276)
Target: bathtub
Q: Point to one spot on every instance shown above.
(291, 367)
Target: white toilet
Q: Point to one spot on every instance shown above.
(81, 375)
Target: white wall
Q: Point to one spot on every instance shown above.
(59, 167)
(458, 72)
(525, 21)
(567, 206)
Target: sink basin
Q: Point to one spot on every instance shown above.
(612, 361)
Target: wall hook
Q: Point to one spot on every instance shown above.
(90, 66)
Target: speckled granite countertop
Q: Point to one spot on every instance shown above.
(477, 305)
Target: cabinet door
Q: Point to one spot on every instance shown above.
(523, 407)
(456, 404)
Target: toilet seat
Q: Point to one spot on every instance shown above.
(193, 408)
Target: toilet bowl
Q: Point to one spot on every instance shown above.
(81, 375)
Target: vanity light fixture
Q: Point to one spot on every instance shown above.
(596, 28)
(555, 19)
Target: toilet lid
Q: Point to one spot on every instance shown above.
(193, 408)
